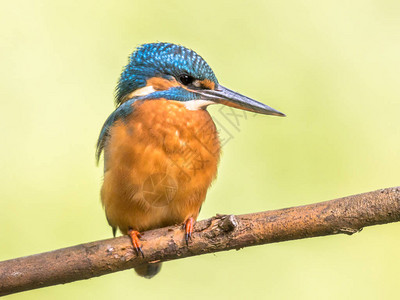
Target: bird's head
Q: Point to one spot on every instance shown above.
(173, 72)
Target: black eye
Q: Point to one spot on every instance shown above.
(186, 79)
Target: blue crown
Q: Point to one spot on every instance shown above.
(161, 60)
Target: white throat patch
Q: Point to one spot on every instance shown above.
(197, 104)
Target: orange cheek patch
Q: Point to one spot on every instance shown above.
(161, 84)
(208, 84)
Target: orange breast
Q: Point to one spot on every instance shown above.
(159, 163)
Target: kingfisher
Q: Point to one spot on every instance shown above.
(161, 146)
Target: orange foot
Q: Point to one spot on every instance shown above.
(189, 230)
(137, 245)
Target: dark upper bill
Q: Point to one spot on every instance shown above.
(230, 98)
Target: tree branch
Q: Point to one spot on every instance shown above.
(345, 215)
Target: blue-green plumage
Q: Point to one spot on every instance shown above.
(124, 110)
(161, 60)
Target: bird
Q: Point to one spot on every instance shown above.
(160, 145)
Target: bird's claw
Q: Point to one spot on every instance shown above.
(188, 236)
(188, 230)
(137, 245)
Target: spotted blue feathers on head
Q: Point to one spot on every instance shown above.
(161, 60)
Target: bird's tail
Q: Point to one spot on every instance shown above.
(148, 270)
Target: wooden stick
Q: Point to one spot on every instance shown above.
(345, 215)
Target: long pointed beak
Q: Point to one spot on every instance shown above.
(230, 98)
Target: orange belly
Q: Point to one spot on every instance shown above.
(159, 163)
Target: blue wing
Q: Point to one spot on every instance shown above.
(124, 110)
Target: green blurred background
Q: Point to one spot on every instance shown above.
(331, 66)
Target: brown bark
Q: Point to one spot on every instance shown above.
(345, 215)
